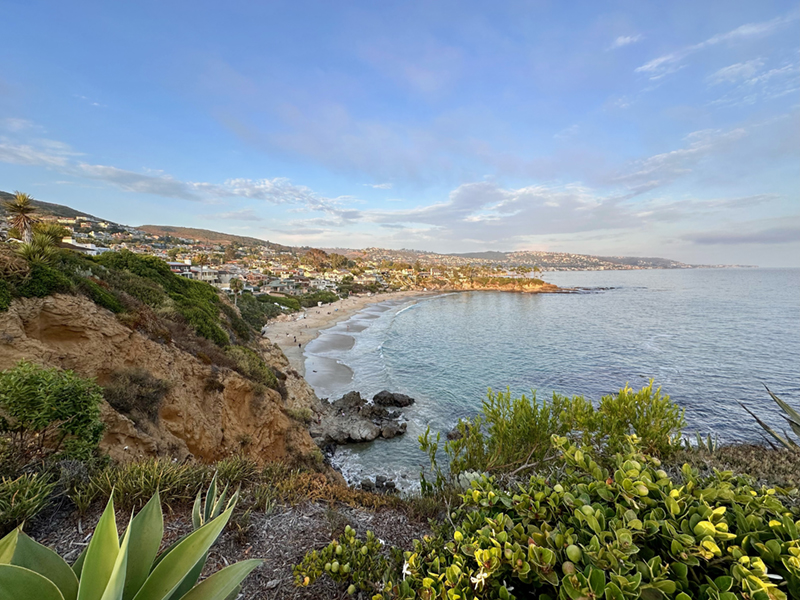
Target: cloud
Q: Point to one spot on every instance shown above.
(14, 124)
(568, 132)
(379, 186)
(737, 72)
(625, 40)
(774, 235)
(754, 86)
(245, 214)
(41, 152)
(670, 63)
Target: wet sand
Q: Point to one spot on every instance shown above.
(293, 332)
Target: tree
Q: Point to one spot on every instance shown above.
(237, 285)
(21, 213)
(173, 253)
(201, 259)
(338, 261)
(230, 253)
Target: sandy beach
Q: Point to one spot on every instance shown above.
(293, 332)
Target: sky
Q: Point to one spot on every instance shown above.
(637, 128)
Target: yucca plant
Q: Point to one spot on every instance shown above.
(126, 569)
(792, 417)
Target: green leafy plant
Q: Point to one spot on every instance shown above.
(136, 392)
(630, 531)
(49, 411)
(512, 435)
(790, 415)
(23, 498)
(126, 569)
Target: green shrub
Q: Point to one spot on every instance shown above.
(5, 295)
(513, 434)
(54, 410)
(21, 499)
(324, 296)
(99, 295)
(127, 567)
(43, 281)
(135, 392)
(652, 417)
(292, 303)
(144, 290)
(629, 532)
(238, 325)
(135, 482)
(250, 364)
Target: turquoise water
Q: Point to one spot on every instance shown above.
(708, 337)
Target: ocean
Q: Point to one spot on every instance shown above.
(707, 337)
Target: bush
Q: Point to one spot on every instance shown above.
(5, 295)
(292, 303)
(513, 434)
(629, 532)
(250, 364)
(21, 499)
(52, 410)
(324, 296)
(237, 323)
(43, 281)
(99, 295)
(135, 392)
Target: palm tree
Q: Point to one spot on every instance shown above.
(20, 213)
(237, 285)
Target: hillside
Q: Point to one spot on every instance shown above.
(46, 208)
(208, 236)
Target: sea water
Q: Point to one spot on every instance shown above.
(710, 338)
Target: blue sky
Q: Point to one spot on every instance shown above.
(641, 128)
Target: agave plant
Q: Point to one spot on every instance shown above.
(792, 417)
(130, 568)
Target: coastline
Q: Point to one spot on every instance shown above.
(305, 327)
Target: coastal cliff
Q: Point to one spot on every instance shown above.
(208, 411)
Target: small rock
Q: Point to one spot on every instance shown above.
(380, 481)
(367, 485)
(390, 485)
(387, 398)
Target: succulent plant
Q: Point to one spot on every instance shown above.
(792, 417)
(126, 569)
(627, 532)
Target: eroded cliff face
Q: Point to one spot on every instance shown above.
(195, 418)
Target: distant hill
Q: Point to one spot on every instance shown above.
(208, 236)
(46, 208)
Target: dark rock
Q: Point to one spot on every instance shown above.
(390, 485)
(352, 420)
(367, 485)
(454, 434)
(380, 480)
(387, 398)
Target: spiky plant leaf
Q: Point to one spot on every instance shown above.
(172, 569)
(20, 583)
(42, 560)
(768, 429)
(116, 581)
(101, 555)
(147, 529)
(220, 585)
(7, 545)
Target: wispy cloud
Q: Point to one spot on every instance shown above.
(379, 186)
(736, 72)
(774, 235)
(245, 214)
(670, 63)
(626, 40)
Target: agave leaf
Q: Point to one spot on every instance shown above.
(20, 583)
(7, 546)
(174, 567)
(191, 579)
(220, 502)
(100, 556)
(116, 582)
(147, 529)
(42, 560)
(793, 424)
(234, 593)
(196, 519)
(211, 495)
(222, 583)
(786, 408)
(767, 428)
(77, 566)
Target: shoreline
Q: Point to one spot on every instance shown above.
(292, 333)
